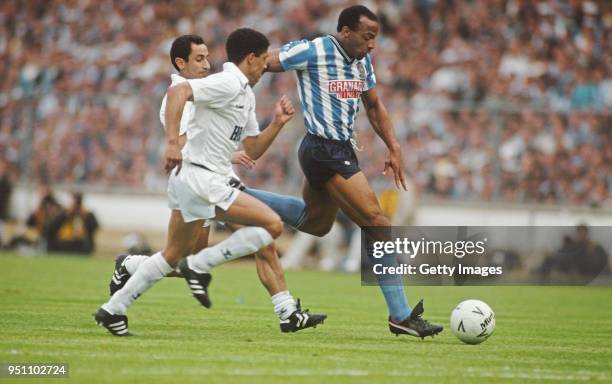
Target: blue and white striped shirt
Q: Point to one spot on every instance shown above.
(330, 84)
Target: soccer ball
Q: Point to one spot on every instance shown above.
(472, 321)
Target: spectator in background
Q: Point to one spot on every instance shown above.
(580, 256)
(6, 187)
(456, 77)
(330, 247)
(38, 223)
(592, 259)
(136, 243)
(73, 230)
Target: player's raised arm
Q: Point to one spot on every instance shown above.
(292, 56)
(255, 146)
(178, 95)
(379, 118)
(273, 63)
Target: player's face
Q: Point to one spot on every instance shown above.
(258, 66)
(361, 41)
(197, 66)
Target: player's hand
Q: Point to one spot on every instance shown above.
(241, 158)
(173, 158)
(284, 110)
(395, 163)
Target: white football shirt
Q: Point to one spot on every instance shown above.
(187, 111)
(223, 115)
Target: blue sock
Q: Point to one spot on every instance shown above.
(396, 302)
(392, 286)
(291, 209)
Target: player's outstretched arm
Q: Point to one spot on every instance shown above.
(379, 118)
(274, 64)
(175, 103)
(255, 146)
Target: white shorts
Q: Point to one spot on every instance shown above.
(196, 192)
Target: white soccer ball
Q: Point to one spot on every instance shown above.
(472, 321)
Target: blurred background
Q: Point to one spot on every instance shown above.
(502, 107)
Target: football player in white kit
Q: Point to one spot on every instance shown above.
(189, 56)
(198, 188)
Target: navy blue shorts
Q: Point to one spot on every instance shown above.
(321, 159)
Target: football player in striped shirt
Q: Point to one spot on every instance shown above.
(334, 73)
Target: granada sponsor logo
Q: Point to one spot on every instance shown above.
(346, 89)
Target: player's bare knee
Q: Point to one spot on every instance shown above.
(321, 229)
(275, 228)
(266, 253)
(317, 223)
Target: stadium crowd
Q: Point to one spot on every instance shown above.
(492, 99)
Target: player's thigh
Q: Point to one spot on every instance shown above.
(247, 210)
(357, 199)
(182, 236)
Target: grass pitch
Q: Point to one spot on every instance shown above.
(544, 334)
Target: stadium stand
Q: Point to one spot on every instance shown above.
(501, 100)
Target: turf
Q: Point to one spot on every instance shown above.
(548, 334)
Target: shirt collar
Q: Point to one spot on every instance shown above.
(232, 68)
(345, 55)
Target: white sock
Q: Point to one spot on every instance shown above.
(284, 305)
(149, 272)
(132, 262)
(244, 241)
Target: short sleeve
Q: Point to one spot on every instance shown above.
(214, 91)
(162, 112)
(252, 126)
(297, 54)
(370, 76)
(185, 118)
